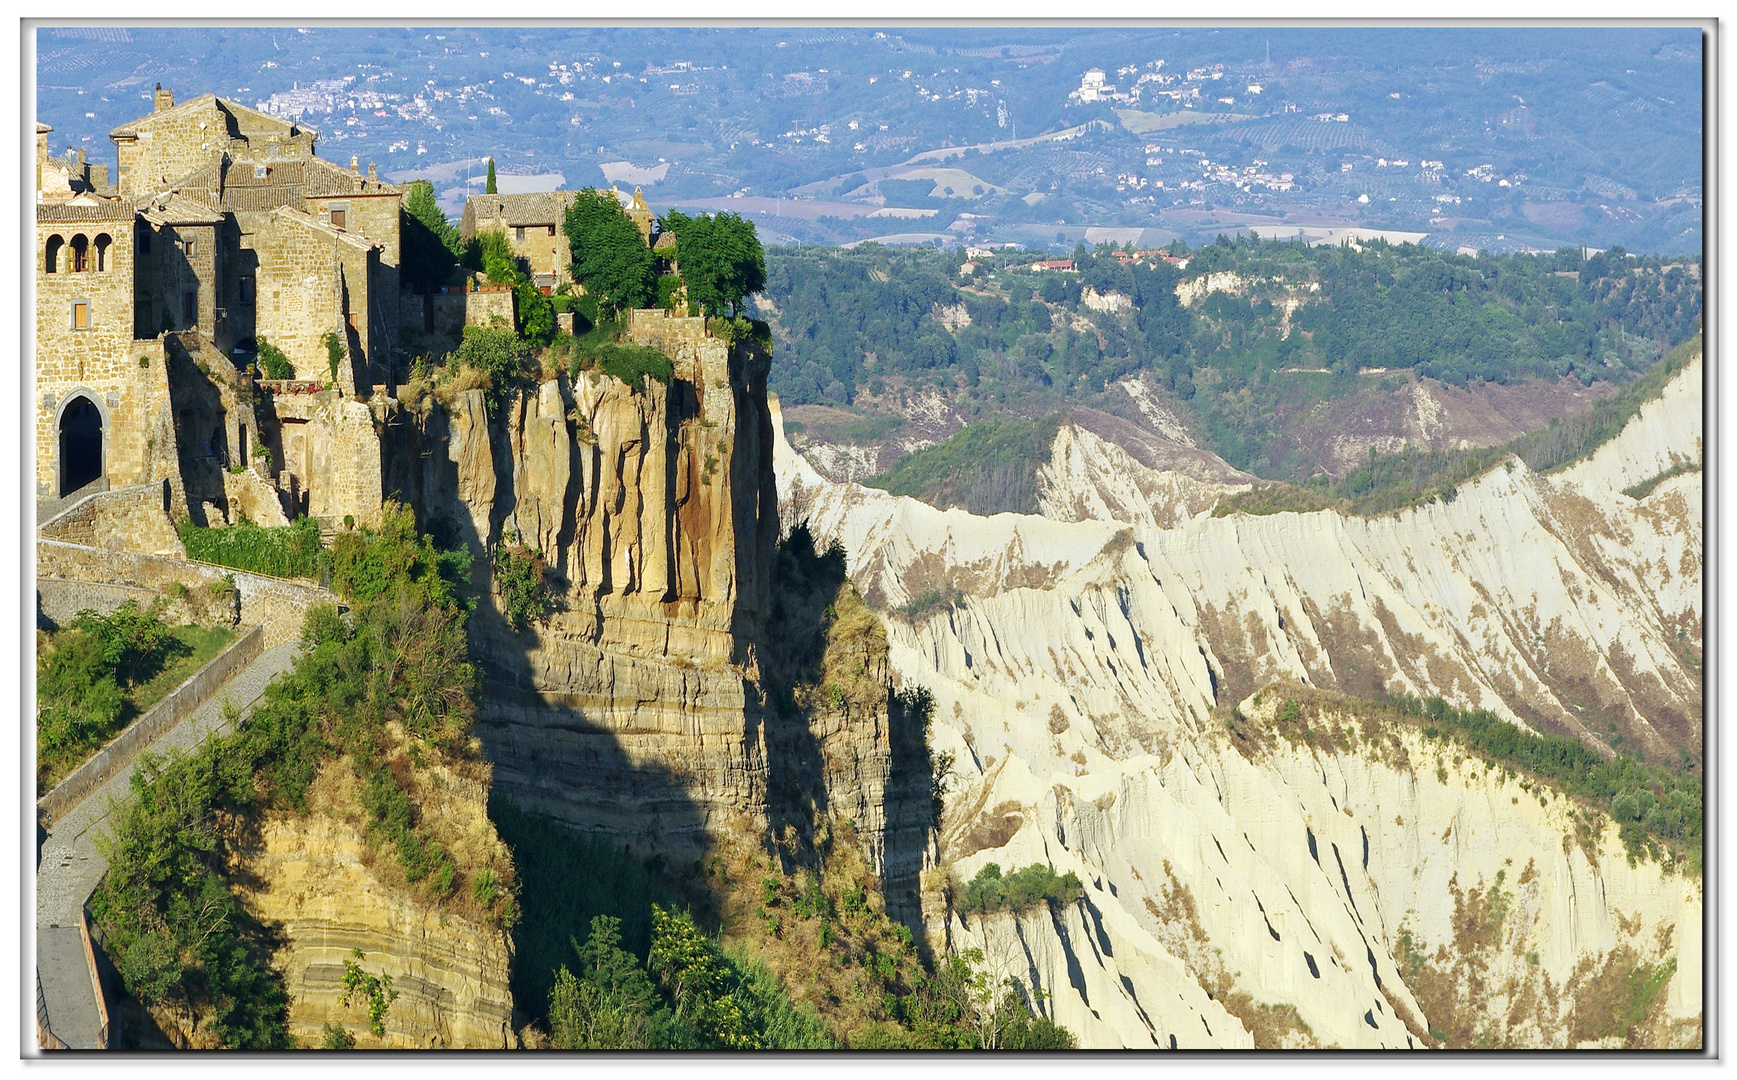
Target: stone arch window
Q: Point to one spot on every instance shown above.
(80, 254)
(80, 432)
(104, 242)
(51, 254)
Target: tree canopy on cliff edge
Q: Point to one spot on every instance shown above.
(720, 257)
(609, 255)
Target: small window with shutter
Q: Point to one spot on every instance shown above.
(81, 314)
(519, 233)
(338, 217)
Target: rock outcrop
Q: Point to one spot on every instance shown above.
(639, 705)
(326, 892)
(1083, 670)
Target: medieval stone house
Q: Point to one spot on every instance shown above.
(221, 227)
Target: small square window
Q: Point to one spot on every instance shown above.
(259, 172)
(190, 248)
(338, 216)
(81, 314)
(519, 234)
(551, 230)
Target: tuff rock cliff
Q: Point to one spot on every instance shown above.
(327, 892)
(641, 706)
(1297, 893)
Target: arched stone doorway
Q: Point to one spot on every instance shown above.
(81, 444)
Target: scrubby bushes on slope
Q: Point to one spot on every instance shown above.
(389, 683)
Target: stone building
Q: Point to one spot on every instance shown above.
(221, 227)
(534, 224)
(535, 227)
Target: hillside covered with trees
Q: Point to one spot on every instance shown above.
(1273, 327)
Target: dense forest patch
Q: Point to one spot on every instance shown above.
(1282, 328)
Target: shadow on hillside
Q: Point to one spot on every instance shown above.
(611, 806)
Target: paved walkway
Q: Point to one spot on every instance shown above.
(68, 866)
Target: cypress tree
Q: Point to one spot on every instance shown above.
(490, 188)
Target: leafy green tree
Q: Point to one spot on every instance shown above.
(611, 1004)
(430, 244)
(721, 260)
(610, 258)
(489, 187)
(699, 980)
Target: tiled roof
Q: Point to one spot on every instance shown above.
(310, 222)
(178, 209)
(325, 178)
(530, 208)
(71, 214)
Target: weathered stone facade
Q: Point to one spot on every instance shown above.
(222, 227)
(534, 224)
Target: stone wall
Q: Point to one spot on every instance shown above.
(446, 311)
(169, 144)
(277, 604)
(137, 518)
(310, 280)
(124, 378)
(483, 307)
(330, 449)
(153, 725)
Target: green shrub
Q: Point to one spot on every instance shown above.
(374, 991)
(1020, 891)
(292, 550)
(272, 361)
(629, 363)
(336, 351)
(500, 354)
(518, 576)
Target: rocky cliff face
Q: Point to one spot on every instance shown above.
(639, 706)
(1077, 682)
(327, 892)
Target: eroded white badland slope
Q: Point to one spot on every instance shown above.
(1077, 679)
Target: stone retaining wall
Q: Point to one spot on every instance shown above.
(121, 519)
(147, 729)
(276, 604)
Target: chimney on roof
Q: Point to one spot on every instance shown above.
(162, 99)
(373, 177)
(355, 163)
